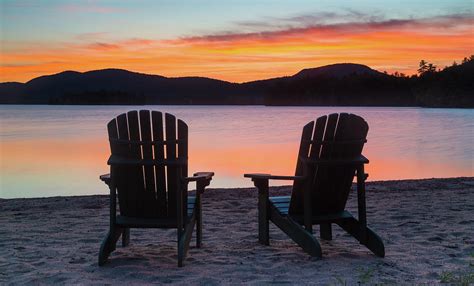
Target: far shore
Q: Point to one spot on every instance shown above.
(427, 226)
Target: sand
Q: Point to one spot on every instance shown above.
(427, 227)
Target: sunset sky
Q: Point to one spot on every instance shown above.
(230, 40)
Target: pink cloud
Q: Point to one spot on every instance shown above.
(433, 24)
(103, 46)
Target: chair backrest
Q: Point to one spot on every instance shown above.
(149, 158)
(332, 137)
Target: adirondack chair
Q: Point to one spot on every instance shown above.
(329, 157)
(149, 175)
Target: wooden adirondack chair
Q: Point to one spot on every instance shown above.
(149, 173)
(329, 158)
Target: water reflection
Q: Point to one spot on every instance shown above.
(54, 150)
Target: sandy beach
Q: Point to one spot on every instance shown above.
(427, 227)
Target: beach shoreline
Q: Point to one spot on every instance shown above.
(427, 226)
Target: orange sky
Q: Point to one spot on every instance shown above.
(386, 46)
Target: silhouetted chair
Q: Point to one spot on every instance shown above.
(149, 174)
(329, 158)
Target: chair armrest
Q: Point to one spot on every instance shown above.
(199, 176)
(105, 178)
(257, 176)
(202, 180)
(261, 181)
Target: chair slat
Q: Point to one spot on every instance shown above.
(171, 171)
(183, 155)
(159, 153)
(149, 172)
(117, 150)
(297, 194)
(113, 134)
(323, 181)
(136, 174)
(125, 187)
(318, 137)
(350, 127)
(326, 150)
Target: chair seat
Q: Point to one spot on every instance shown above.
(282, 204)
(125, 221)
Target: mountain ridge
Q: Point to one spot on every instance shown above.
(336, 84)
(322, 69)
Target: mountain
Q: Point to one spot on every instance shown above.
(116, 86)
(338, 71)
(338, 84)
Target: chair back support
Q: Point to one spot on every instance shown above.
(149, 158)
(332, 137)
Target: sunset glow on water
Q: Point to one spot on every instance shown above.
(61, 150)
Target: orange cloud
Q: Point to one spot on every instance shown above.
(103, 46)
(392, 45)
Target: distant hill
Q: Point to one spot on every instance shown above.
(116, 86)
(338, 71)
(338, 84)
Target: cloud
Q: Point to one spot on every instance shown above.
(310, 19)
(134, 42)
(102, 46)
(119, 45)
(14, 65)
(324, 23)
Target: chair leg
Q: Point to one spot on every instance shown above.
(297, 233)
(108, 245)
(184, 239)
(372, 241)
(264, 231)
(125, 237)
(180, 251)
(326, 231)
(263, 221)
(198, 223)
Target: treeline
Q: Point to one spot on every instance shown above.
(452, 86)
(356, 89)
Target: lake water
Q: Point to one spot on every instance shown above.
(62, 150)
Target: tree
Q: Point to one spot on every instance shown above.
(426, 67)
(466, 60)
(422, 67)
(431, 68)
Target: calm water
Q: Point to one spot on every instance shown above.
(62, 150)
